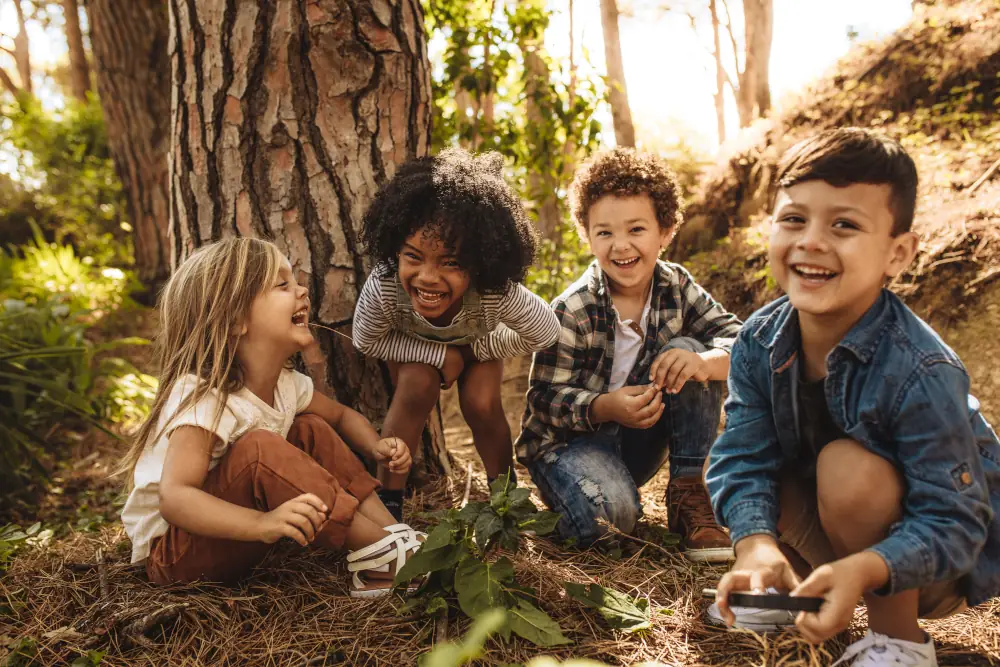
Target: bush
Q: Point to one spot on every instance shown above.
(51, 372)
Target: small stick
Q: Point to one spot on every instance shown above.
(985, 177)
(468, 485)
(102, 574)
(343, 335)
(136, 630)
(441, 629)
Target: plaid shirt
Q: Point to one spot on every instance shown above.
(566, 377)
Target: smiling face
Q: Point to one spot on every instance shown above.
(626, 239)
(279, 316)
(430, 274)
(832, 248)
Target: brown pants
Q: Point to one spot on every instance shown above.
(261, 471)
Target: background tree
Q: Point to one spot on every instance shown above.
(621, 113)
(129, 41)
(79, 69)
(753, 98)
(287, 118)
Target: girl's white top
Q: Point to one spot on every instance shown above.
(243, 412)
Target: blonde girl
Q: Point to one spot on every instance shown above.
(239, 451)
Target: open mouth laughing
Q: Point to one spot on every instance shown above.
(301, 318)
(429, 298)
(625, 263)
(813, 274)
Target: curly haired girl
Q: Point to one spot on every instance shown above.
(238, 451)
(445, 302)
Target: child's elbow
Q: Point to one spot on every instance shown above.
(169, 502)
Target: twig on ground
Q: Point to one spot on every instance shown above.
(139, 627)
(441, 629)
(985, 177)
(102, 574)
(468, 485)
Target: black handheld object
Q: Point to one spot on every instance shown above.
(770, 601)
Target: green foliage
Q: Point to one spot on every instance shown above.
(619, 610)
(457, 561)
(51, 371)
(89, 659)
(23, 653)
(543, 118)
(64, 179)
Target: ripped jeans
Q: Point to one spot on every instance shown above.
(597, 475)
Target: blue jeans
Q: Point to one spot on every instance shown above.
(597, 475)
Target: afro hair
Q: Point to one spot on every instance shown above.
(623, 172)
(463, 200)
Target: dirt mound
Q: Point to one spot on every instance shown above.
(934, 86)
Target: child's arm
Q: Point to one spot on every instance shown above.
(359, 434)
(374, 333)
(185, 505)
(530, 325)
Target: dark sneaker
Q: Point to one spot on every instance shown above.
(690, 513)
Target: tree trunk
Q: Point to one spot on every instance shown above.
(22, 50)
(129, 42)
(755, 88)
(542, 183)
(621, 114)
(79, 71)
(286, 117)
(720, 75)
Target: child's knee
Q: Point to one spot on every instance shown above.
(480, 405)
(418, 383)
(597, 501)
(852, 481)
(685, 343)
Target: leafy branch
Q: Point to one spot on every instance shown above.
(459, 563)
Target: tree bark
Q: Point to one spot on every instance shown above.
(129, 42)
(755, 88)
(542, 183)
(621, 114)
(286, 117)
(79, 70)
(22, 49)
(720, 75)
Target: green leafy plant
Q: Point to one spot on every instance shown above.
(458, 562)
(622, 612)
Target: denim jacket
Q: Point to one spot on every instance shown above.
(896, 388)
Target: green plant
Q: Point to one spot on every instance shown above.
(621, 611)
(457, 561)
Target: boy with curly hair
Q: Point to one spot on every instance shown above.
(635, 378)
(445, 302)
(853, 453)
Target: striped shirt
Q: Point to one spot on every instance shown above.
(566, 377)
(516, 321)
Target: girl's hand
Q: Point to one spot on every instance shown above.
(759, 565)
(395, 452)
(638, 406)
(675, 367)
(299, 519)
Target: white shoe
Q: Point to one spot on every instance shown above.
(756, 619)
(876, 650)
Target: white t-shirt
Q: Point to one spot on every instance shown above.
(243, 412)
(628, 345)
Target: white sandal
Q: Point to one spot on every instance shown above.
(376, 558)
(407, 530)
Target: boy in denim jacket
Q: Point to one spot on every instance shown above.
(636, 375)
(851, 440)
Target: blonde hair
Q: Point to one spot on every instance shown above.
(201, 306)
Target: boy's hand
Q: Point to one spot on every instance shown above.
(299, 519)
(395, 452)
(454, 364)
(842, 583)
(635, 406)
(759, 565)
(675, 367)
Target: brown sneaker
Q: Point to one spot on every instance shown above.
(690, 513)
